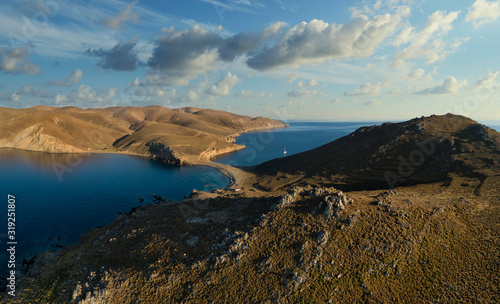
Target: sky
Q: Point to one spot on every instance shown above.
(382, 60)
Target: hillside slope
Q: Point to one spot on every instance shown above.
(175, 135)
(418, 244)
(421, 150)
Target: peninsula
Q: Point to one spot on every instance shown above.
(177, 136)
(183, 136)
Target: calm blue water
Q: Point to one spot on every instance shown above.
(64, 195)
(299, 137)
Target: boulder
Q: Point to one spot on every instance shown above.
(323, 238)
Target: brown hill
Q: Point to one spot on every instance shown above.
(421, 150)
(176, 135)
(432, 243)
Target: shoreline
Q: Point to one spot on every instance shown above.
(236, 176)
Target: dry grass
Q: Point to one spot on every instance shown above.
(427, 243)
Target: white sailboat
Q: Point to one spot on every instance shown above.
(284, 151)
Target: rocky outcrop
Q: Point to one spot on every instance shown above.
(33, 138)
(161, 152)
(333, 205)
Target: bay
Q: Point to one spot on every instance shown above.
(61, 196)
(300, 136)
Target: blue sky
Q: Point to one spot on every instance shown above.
(321, 60)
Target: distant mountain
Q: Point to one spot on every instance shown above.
(421, 150)
(175, 135)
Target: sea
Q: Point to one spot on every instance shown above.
(298, 137)
(60, 196)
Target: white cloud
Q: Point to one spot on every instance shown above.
(31, 68)
(121, 18)
(8, 96)
(317, 41)
(292, 77)
(69, 80)
(26, 90)
(395, 92)
(488, 82)
(84, 96)
(263, 94)
(234, 5)
(373, 103)
(136, 83)
(15, 97)
(14, 61)
(52, 39)
(483, 11)
(224, 86)
(252, 94)
(245, 94)
(418, 74)
(366, 89)
(154, 92)
(404, 36)
(427, 42)
(447, 86)
(377, 7)
(303, 93)
(312, 83)
(335, 101)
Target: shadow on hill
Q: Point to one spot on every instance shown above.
(422, 150)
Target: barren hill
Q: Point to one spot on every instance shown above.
(175, 135)
(421, 150)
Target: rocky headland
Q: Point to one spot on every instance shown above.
(178, 136)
